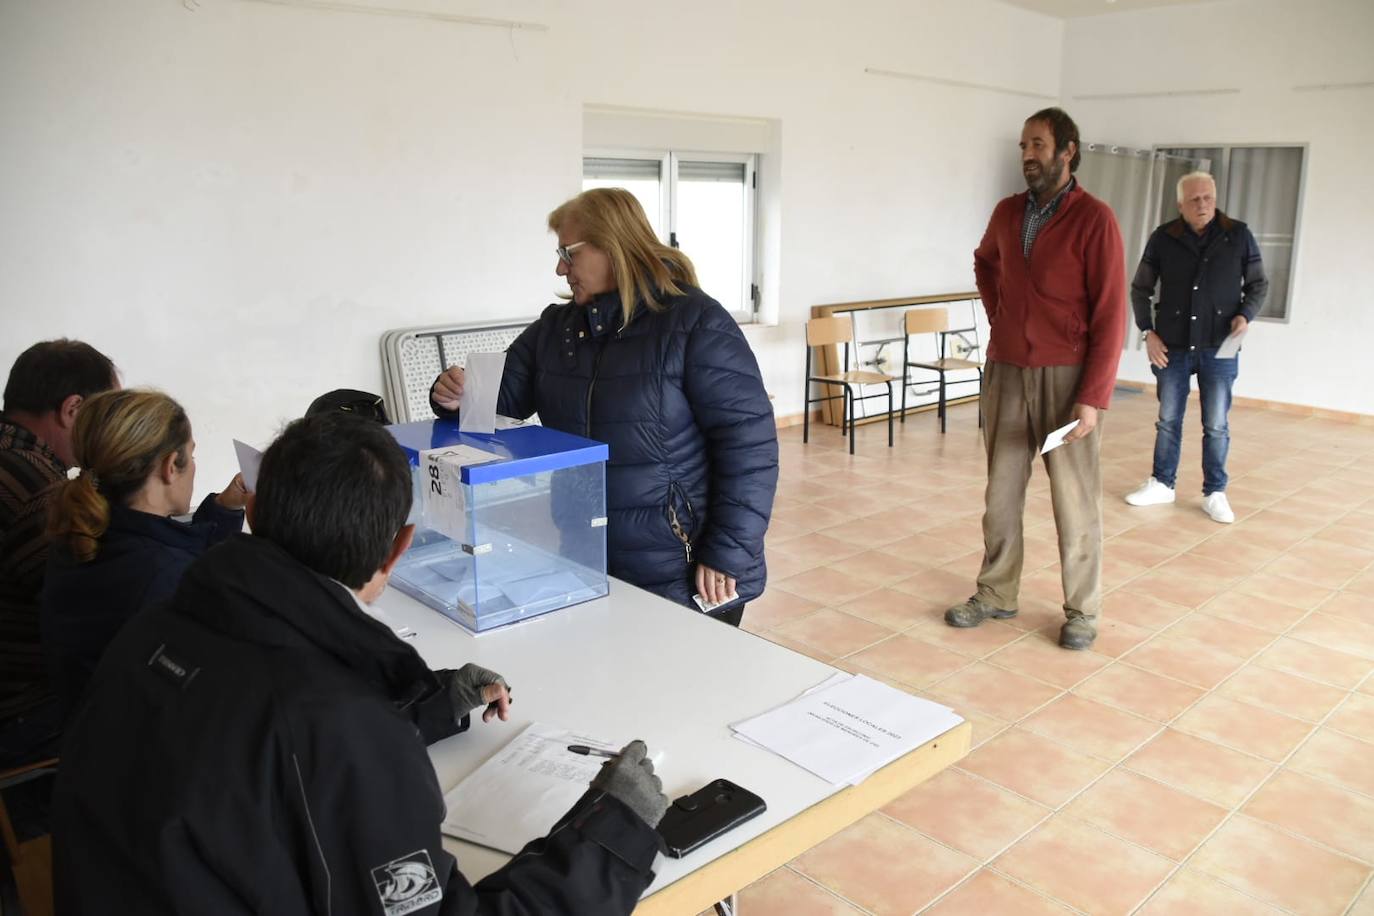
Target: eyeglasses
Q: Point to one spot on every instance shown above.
(565, 252)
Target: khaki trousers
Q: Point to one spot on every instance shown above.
(1021, 407)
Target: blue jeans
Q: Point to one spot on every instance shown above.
(1214, 380)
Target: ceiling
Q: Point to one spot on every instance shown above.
(1071, 9)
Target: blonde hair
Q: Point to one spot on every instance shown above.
(118, 439)
(645, 269)
(1195, 176)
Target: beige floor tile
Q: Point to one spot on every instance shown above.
(1184, 660)
(969, 814)
(1336, 757)
(775, 607)
(973, 641)
(1091, 727)
(1322, 563)
(894, 609)
(1254, 611)
(876, 566)
(884, 867)
(1298, 593)
(1334, 817)
(1238, 639)
(1034, 767)
(1084, 867)
(1339, 669)
(1191, 893)
(1041, 658)
(1200, 767)
(1133, 606)
(926, 549)
(1355, 717)
(1349, 605)
(786, 893)
(1141, 692)
(1286, 693)
(833, 632)
(989, 893)
(1149, 813)
(995, 691)
(827, 586)
(1245, 727)
(909, 660)
(1338, 633)
(1280, 869)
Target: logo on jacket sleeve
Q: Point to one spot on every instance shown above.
(407, 884)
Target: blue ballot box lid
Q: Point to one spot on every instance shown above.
(523, 449)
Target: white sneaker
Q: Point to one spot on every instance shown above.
(1215, 505)
(1151, 493)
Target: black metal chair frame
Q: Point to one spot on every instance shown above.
(908, 365)
(848, 419)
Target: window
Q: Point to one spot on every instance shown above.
(702, 203)
(1262, 187)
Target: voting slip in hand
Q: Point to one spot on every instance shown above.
(1056, 438)
(1230, 347)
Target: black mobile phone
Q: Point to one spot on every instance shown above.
(695, 819)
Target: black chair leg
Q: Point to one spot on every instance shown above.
(890, 405)
(806, 412)
(942, 402)
(849, 405)
(980, 398)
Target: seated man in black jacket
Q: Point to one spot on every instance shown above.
(257, 744)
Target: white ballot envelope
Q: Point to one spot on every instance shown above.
(250, 459)
(481, 385)
(1231, 345)
(1056, 438)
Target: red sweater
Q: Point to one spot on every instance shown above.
(1066, 305)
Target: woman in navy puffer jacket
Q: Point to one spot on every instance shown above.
(644, 361)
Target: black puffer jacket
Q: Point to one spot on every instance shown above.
(255, 747)
(677, 396)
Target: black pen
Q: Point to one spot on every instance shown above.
(587, 751)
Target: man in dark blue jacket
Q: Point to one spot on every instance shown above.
(1211, 286)
(257, 745)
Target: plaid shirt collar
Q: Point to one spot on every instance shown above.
(1037, 216)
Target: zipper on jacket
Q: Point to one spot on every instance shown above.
(591, 386)
(676, 524)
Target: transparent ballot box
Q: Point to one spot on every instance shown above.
(508, 525)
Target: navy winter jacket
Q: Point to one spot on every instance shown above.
(677, 396)
(140, 560)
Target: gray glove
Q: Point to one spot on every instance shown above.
(465, 688)
(630, 778)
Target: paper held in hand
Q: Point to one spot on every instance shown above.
(1056, 438)
(1230, 347)
(848, 727)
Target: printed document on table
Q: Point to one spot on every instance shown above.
(522, 791)
(1056, 438)
(1230, 346)
(845, 731)
(481, 385)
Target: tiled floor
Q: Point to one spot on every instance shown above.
(1213, 754)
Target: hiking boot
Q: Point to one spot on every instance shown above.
(1151, 493)
(973, 612)
(1077, 633)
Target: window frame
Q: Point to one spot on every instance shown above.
(1222, 172)
(669, 161)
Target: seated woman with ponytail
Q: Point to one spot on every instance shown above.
(115, 544)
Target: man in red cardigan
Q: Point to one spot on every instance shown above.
(1052, 274)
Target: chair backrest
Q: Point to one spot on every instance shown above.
(927, 321)
(832, 330)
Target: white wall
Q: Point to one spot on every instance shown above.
(234, 201)
(1264, 48)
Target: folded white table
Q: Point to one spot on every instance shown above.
(633, 665)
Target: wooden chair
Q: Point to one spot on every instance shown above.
(839, 329)
(936, 321)
(31, 859)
